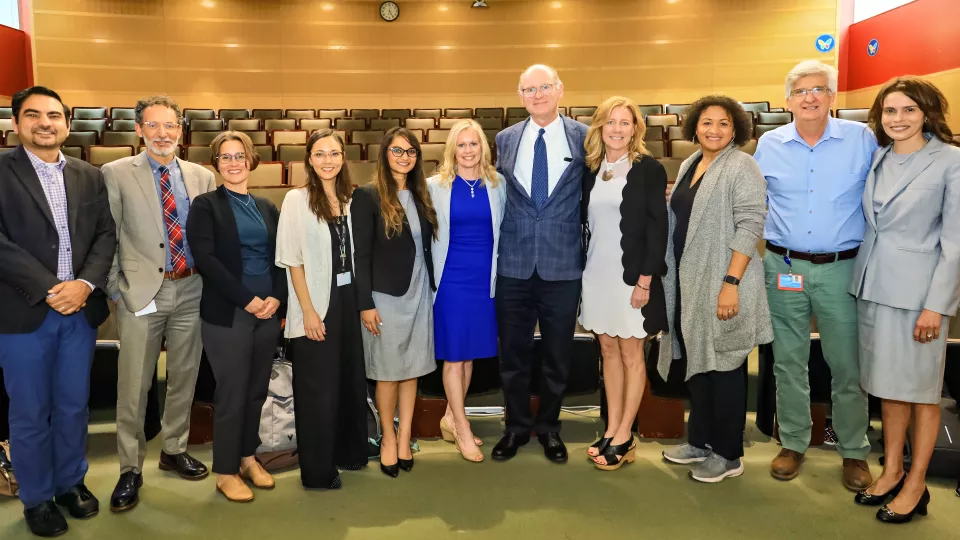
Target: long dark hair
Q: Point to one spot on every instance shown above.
(390, 207)
(932, 103)
(319, 204)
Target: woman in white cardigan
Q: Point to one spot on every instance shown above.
(323, 323)
(468, 195)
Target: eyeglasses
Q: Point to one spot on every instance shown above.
(397, 151)
(817, 91)
(169, 126)
(544, 89)
(239, 157)
(334, 156)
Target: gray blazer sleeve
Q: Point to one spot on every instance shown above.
(749, 199)
(943, 296)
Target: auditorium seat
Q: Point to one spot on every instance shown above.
(265, 151)
(230, 114)
(680, 149)
(280, 124)
(402, 114)
(274, 194)
(778, 118)
(458, 113)
(99, 155)
(342, 134)
(361, 172)
(663, 120)
(432, 151)
(258, 137)
(491, 135)
(350, 125)
(198, 153)
(585, 119)
(365, 113)
(582, 111)
(653, 133)
(650, 109)
(89, 113)
(6, 124)
(489, 112)
(5, 149)
(189, 115)
(265, 114)
(674, 133)
(244, 124)
(10, 138)
(313, 124)
(372, 151)
(99, 125)
(750, 146)
(777, 109)
(206, 124)
(300, 113)
(760, 129)
(73, 151)
(755, 106)
(332, 113)
(203, 138)
(417, 134)
(289, 137)
(517, 112)
(269, 173)
(420, 123)
(353, 152)
(6, 112)
(121, 138)
(490, 123)
(672, 166)
(655, 148)
(122, 124)
(857, 115)
(82, 138)
(296, 174)
(448, 123)
(427, 113)
(366, 137)
(676, 108)
(437, 135)
(383, 124)
(430, 167)
(291, 152)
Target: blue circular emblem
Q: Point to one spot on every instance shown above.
(873, 47)
(825, 43)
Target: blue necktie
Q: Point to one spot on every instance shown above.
(538, 190)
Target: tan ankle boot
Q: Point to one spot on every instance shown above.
(233, 488)
(258, 475)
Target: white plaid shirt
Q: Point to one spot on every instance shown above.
(51, 179)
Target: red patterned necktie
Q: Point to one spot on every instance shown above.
(174, 232)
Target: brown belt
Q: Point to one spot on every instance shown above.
(815, 258)
(180, 275)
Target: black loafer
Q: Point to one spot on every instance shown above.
(45, 520)
(184, 465)
(127, 493)
(553, 447)
(79, 502)
(508, 445)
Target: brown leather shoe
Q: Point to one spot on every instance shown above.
(856, 474)
(258, 476)
(786, 466)
(233, 488)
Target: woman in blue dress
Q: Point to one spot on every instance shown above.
(468, 195)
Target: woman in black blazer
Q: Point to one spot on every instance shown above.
(233, 240)
(625, 217)
(394, 223)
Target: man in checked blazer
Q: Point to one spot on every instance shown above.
(540, 260)
(157, 291)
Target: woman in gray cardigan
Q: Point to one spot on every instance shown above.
(716, 212)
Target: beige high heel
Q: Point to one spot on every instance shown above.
(476, 458)
(449, 434)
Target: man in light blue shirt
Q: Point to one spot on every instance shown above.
(816, 168)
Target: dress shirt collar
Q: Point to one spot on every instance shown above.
(38, 163)
(833, 131)
(552, 128)
(155, 165)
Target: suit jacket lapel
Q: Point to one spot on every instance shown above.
(710, 180)
(922, 161)
(143, 174)
(576, 155)
(510, 162)
(71, 185)
(190, 180)
(871, 187)
(25, 172)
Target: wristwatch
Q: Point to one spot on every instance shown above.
(731, 280)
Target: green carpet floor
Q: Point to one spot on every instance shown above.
(525, 498)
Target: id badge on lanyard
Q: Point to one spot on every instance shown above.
(790, 281)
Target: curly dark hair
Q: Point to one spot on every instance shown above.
(932, 103)
(742, 126)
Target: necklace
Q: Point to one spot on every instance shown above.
(910, 155)
(608, 174)
(240, 200)
(473, 185)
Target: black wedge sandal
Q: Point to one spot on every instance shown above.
(617, 455)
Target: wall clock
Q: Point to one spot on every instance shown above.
(389, 11)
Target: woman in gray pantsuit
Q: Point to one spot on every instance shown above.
(907, 282)
(394, 224)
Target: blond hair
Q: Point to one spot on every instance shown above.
(448, 168)
(593, 144)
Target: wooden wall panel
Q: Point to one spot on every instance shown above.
(947, 81)
(310, 53)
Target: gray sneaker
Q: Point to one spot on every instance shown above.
(685, 453)
(715, 468)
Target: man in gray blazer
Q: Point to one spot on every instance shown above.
(540, 260)
(157, 291)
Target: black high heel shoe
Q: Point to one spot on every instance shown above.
(601, 446)
(868, 499)
(392, 471)
(406, 464)
(617, 455)
(889, 516)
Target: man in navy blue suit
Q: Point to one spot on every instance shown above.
(57, 241)
(540, 260)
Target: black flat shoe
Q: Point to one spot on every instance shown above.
(889, 516)
(79, 502)
(868, 499)
(406, 464)
(45, 520)
(601, 446)
(553, 447)
(127, 493)
(392, 471)
(184, 465)
(508, 445)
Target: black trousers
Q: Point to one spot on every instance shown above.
(718, 411)
(521, 303)
(330, 394)
(241, 358)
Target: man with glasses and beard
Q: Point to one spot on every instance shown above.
(157, 291)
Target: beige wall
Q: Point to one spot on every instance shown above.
(293, 53)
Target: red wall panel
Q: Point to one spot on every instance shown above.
(13, 61)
